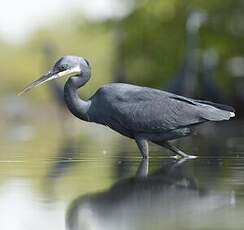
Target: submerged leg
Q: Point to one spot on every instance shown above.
(143, 146)
(180, 154)
(142, 170)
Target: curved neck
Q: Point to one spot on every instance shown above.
(75, 104)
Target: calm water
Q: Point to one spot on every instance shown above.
(92, 178)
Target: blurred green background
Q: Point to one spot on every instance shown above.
(152, 43)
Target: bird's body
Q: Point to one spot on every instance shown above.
(133, 110)
(141, 113)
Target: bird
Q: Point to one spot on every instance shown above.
(141, 113)
(184, 83)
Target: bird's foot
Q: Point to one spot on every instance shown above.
(185, 156)
(176, 157)
(145, 157)
(191, 157)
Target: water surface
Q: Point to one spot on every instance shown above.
(92, 178)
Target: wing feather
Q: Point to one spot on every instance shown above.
(141, 109)
(149, 110)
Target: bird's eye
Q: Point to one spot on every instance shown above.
(63, 67)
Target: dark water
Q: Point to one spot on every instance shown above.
(95, 179)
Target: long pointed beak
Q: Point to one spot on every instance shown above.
(50, 76)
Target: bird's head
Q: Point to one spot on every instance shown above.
(66, 66)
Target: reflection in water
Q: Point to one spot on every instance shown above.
(167, 197)
(122, 164)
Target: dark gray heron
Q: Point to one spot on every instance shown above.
(140, 113)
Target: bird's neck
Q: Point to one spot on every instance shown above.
(75, 104)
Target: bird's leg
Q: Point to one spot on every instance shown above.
(180, 154)
(175, 150)
(143, 146)
(142, 170)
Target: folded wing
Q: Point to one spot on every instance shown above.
(147, 110)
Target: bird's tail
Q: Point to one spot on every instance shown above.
(215, 112)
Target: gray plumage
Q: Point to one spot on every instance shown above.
(146, 110)
(141, 113)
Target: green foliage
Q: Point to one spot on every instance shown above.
(153, 45)
(155, 41)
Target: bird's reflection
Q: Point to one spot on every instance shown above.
(166, 197)
(122, 164)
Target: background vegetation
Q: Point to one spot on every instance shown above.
(153, 44)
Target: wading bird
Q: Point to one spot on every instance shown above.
(141, 113)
